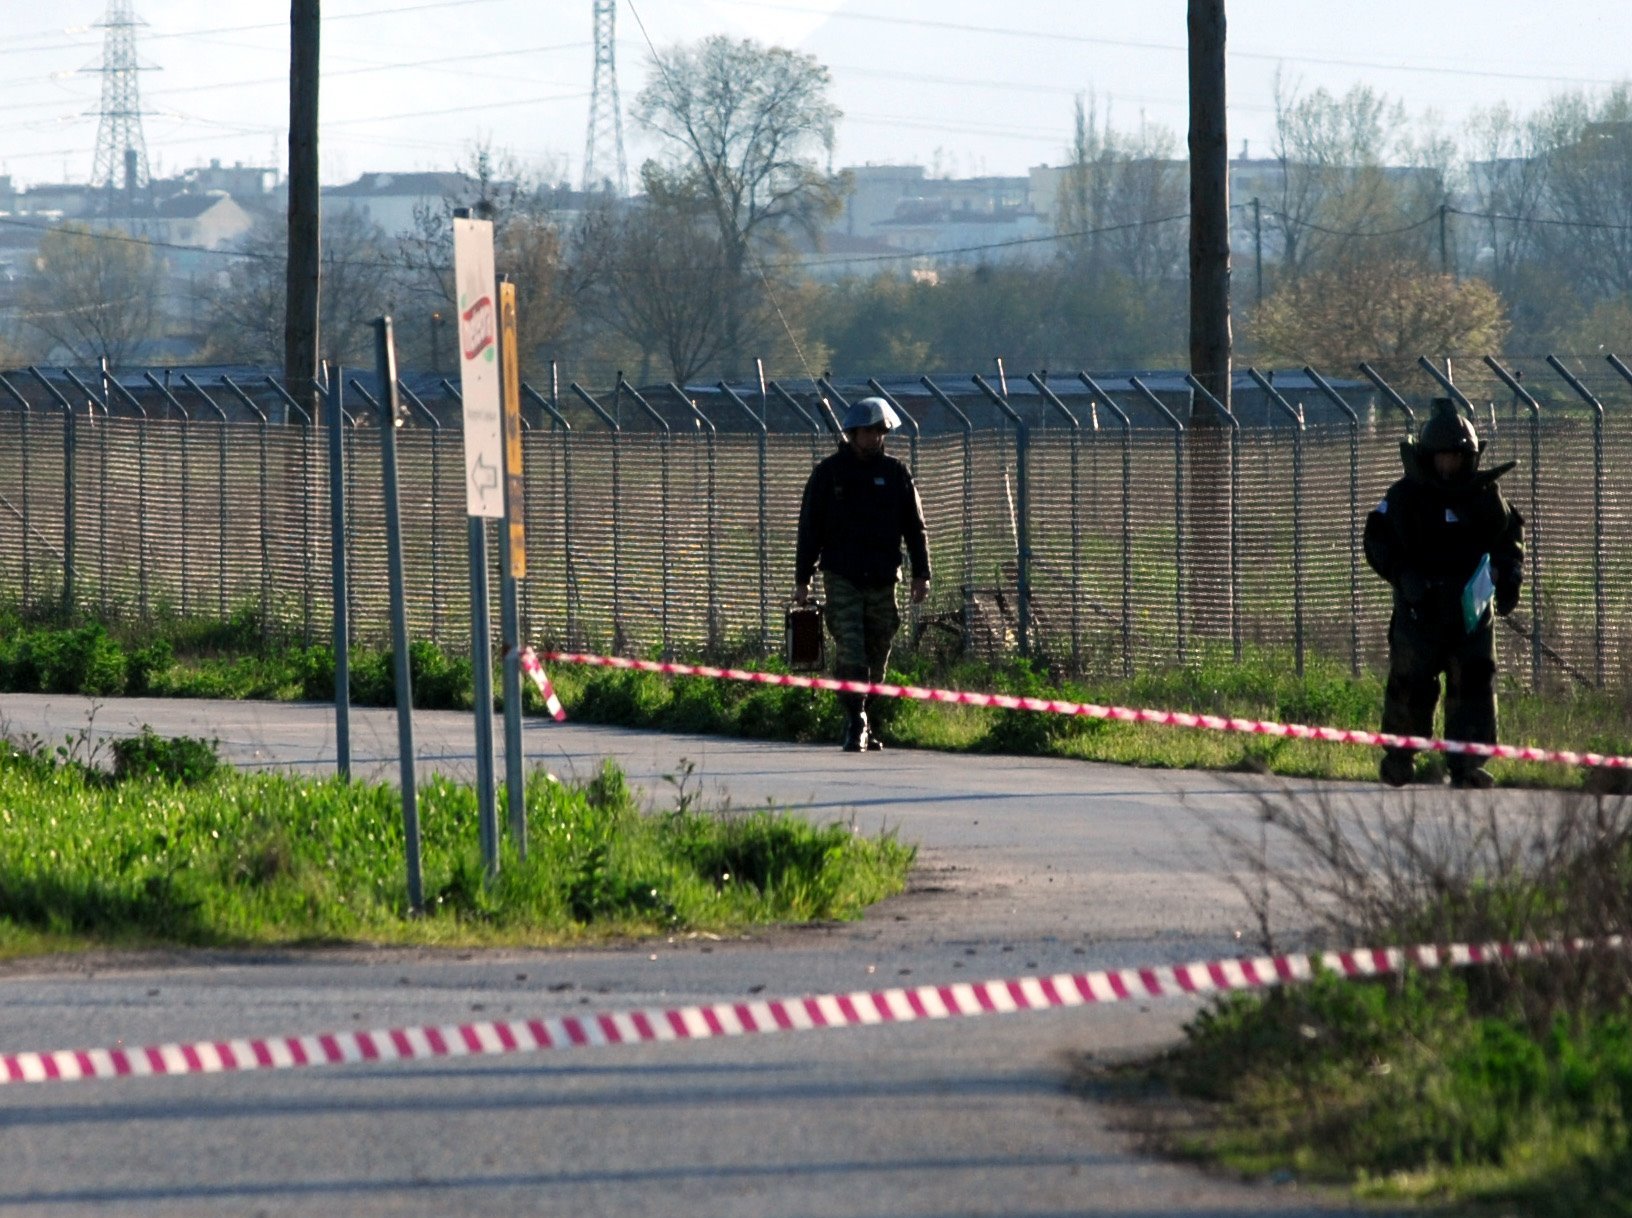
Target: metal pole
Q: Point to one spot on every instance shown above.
(551, 406)
(512, 567)
(1519, 392)
(617, 500)
(141, 493)
(306, 497)
(1235, 514)
(481, 657)
(220, 494)
(24, 411)
(436, 505)
(1296, 415)
(334, 419)
(1127, 518)
(1389, 395)
(1053, 400)
(70, 447)
(710, 513)
(181, 532)
(91, 403)
(1022, 530)
(663, 511)
(266, 553)
(763, 547)
(386, 365)
(1336, 399)
(968, 497)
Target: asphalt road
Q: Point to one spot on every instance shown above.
(1025, 866)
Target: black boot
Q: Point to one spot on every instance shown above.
(855, 724)
(874, 744)
(1398, 767)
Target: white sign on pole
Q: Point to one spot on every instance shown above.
(479, 368)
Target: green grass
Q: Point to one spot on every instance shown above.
(167, 849)
(1419, 1088)
(237, 659)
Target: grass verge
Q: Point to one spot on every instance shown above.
(237, 658)
(167, 849)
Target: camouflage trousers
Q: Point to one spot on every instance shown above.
(863, 622)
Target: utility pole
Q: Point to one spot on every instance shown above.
(303, 281)
(1208, 507)
(1258, 249)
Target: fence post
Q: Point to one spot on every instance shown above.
(164, 391)
(617, 502)
(436, 505)
(92, 401)
(266, 554)
(1053, 399)
(663, 517)
(70, 448)
(764, 550)
(1235, 507)
(1336, 399)
(550, 406)
(24, 413)
(710, 512)
(1173, 421)
(1127, 517)
(221, 493)
(1390, 396)
(289, 403)
(1022, 524)
(385, 356)
(1296, 415)
(968, 497)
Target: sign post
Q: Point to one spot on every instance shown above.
(484, 483)
(514, 569)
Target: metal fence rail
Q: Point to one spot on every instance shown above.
(1067, 521)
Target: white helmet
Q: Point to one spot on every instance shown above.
(870, 412)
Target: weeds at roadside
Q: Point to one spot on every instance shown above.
(1510, 1083)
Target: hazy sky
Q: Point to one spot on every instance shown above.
(965, 86)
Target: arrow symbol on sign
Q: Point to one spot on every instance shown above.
(484, 477)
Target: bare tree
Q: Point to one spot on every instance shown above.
(1342, 192)
(94, 292)
(744, 124)
(528, 247)
(657, 277)
(246, 317)
(1121, 200)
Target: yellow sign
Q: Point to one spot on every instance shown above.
(514, 508)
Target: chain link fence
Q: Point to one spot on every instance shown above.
(1091, 523)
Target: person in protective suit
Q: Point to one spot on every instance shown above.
(1452, 549)
(859, 506)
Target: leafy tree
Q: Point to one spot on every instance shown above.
(246, 318)
(94, 292)
(743, 124)
(1386, 312)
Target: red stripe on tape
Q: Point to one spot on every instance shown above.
(731, 1019)
(1124, 714)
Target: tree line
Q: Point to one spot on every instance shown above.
(1370, 237)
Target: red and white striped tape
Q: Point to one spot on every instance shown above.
(1120, 714)
(859, 1008)
(531, 666)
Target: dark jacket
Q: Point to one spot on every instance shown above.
(1426, 537)
(854, 517)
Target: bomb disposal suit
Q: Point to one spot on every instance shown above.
(1452, 549)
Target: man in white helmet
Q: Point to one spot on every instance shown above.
(859, 506)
